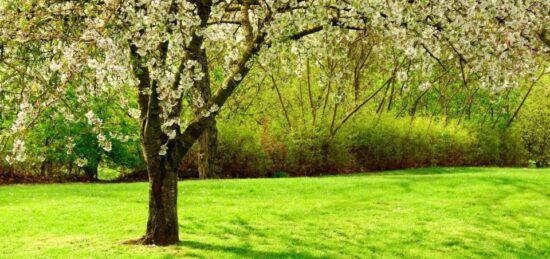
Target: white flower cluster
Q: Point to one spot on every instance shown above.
(81, 162)
(425, 86)
(120, 137)
(70, 145)
(25, 110)
(97, 123)
(17, 153)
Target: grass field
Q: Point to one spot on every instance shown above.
(436, 213)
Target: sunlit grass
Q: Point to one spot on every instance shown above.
(433, 213)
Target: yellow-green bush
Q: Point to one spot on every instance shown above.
(534, 124)
(366, 143)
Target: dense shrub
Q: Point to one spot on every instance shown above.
(364, 144)
(534, 123)
(268, 149)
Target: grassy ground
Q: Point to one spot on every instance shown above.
(418, 213)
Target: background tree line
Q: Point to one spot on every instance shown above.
(340, 110)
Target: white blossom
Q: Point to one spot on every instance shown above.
(55, 66)
(163, 150)
(81, 162)
(107, 146)
(134, 113)
(101, 137)
(425, 86)
(402, 76)
(214, 108)
(238, 77)
(171, 134)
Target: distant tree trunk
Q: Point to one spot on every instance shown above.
(91, 169)
(43, 168)
(91, 172)
(44, 163)
(70, 169)
(208, 161)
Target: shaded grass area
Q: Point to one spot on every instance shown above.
(435, 212)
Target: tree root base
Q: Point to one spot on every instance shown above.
(147, 240)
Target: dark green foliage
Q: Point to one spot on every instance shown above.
(280, 174)
(55, 144)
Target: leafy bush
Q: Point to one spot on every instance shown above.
(535, 127)
(367, 143)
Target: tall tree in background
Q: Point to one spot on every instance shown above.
(208, 164)
(160, 47)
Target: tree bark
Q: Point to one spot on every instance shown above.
(43, 167)
(91, 172)
(208, 161)
(162, 225)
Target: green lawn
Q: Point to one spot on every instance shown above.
(498, 213)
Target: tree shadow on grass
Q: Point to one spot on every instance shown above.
(245, 252)
(240, 227)
(521, 185)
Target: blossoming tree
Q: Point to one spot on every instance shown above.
(159, 50)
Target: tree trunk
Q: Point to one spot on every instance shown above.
(163, 165)
(163, 162)
(43, 165)
(91, 172)
(162, 225)
(208, 161)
